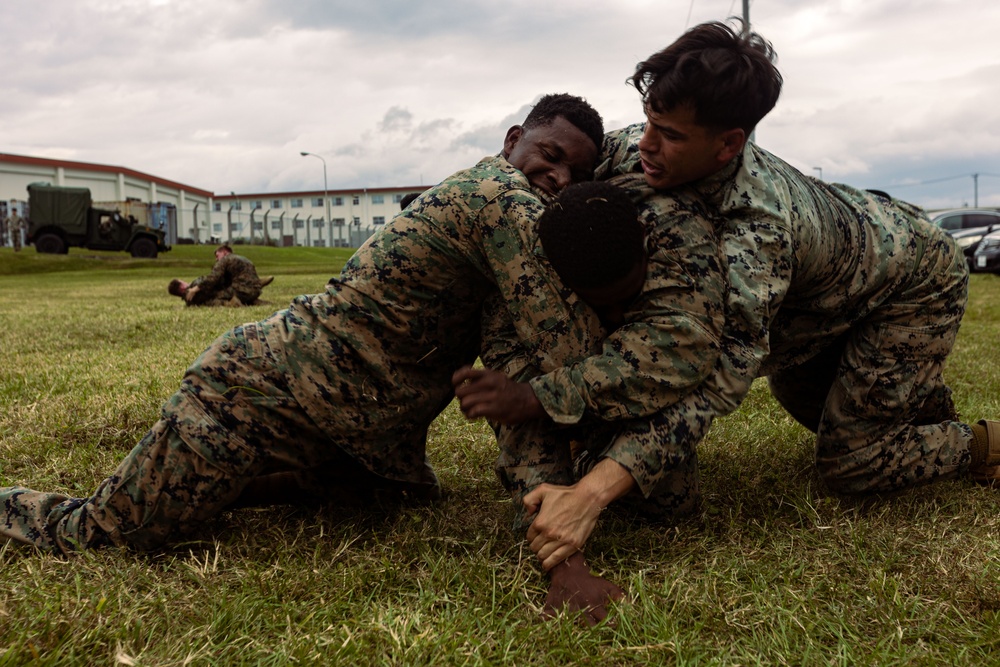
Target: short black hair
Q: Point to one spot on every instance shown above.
(405, 201)
(728, 77)
(592, 235)
(175, 287)
(224, 246)
(574, 109)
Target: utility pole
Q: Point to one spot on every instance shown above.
(975, 190)
(746, 31)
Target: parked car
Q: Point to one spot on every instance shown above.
(968, 227)
(987, 255)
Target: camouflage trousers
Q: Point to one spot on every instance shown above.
(539, 452)
(876, 398)
(232, 421)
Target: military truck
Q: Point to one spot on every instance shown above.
(60, 217)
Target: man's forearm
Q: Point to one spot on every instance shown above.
(606, 482)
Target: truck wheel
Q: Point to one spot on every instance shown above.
(50, 244)
(144, 248)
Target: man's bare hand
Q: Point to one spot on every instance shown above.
(573, 588)
(566, 516)
(493, 395)
(189, 294)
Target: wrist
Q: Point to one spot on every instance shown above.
(572, 565)
(532, 406)
(606, 482)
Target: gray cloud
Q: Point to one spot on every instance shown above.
(224, 94)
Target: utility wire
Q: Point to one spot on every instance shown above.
(936, 180)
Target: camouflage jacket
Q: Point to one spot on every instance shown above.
(807, 259)
(665, 349)
(371, 358)
(232, 271)
(669, 341)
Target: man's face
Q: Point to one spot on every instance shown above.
(551, 156)
(675, 150)
(219, 254)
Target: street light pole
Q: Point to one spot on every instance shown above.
(820, 170)
(326, 192)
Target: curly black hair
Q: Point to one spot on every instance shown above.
(591, 235)
(574, 109)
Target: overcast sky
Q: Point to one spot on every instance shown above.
(224, 94)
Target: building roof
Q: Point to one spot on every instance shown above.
(92, 166)
(114, 169)
(319, 193)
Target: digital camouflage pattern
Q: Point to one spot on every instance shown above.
(356, 373)
(859, 284)
(665, 349)
(232, 276)
(223, 297)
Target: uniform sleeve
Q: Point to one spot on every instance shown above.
(760, 261)
(551, 325)
(217, 278)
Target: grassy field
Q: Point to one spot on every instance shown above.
(774, 570)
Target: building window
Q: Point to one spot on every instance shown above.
(299, 224)
(397, 198)
(338, 201)
(378, 220)
(356, 200)
(256, 204)
(317, 201)
(275, 203)
(258, 226)
(339, 222)
(296, 203)
(318, 224)
(237, 206)
(357, 221)
(319, 243)
(216, 227)
(217, 206)
(276, 224)
(378, 199)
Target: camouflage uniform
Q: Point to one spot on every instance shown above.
(354, 374)
(15, 224)
(223, 297)
(849, 302)
(232, 276)
(666, 348)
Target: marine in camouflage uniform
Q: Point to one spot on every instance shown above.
(232, 276)
(667, 346)
(849, 302)
(15, 225)
(340, 384)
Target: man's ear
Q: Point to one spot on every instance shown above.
(513, 136)
(732, 144)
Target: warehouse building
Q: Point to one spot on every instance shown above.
(190, 214)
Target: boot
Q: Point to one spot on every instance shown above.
(988, 472)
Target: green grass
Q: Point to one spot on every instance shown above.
(774, 570)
